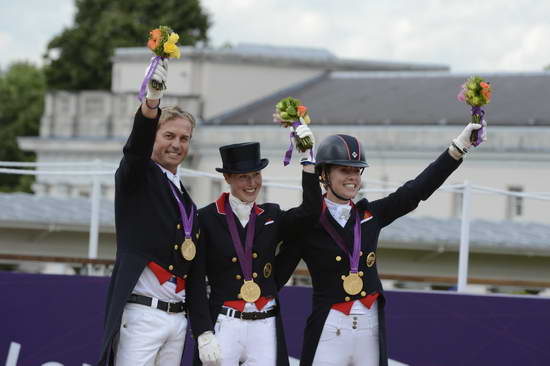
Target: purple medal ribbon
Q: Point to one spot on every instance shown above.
(152, 67)
(187, 221)
(288, 153)
(353, 257)
(245, 255)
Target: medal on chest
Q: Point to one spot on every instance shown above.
(188, 249)
(250, 290)
(352, 283)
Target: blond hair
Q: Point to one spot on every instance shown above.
(173, 112)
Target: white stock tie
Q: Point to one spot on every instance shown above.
(241, 209)
(339, 211)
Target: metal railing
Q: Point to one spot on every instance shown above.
(99, 168)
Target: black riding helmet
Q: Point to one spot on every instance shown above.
(342, 150)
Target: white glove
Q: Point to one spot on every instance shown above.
(304, 131)
(463, 142)
(306, 157)
(160, 75)
(209, 349)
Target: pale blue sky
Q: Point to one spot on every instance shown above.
(468, 35)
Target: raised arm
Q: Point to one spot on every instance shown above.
(310, 208)
(139, 146)
(408, 196)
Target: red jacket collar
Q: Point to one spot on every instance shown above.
(220, 204)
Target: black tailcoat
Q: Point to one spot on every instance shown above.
(320, 252)
(272, 224)
(148, 228)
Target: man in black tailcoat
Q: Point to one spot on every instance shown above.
(155, 281)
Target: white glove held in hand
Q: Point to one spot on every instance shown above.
(209, 349)
(463, 142)
(304, 131)
(306, 157)
(160, 75)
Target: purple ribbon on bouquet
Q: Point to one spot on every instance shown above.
(478, 111)
(288, 153)
(244, 254)
(152, 67)
(353, 256)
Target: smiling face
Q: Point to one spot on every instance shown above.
(245, 186)
(172, 143)
(345, 181)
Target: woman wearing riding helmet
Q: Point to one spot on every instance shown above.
(347, 326)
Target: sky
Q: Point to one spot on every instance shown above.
(467, 35)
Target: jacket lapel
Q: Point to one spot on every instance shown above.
(346, 232)
(220, 212)
(261, 219)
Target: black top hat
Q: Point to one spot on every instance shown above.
(241, 158)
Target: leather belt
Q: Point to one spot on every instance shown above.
(253, 315)
(169, 307)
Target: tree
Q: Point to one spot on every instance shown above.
(22, 88)
(84, 54)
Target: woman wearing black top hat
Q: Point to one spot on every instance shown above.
(238, 239)
(346, 326)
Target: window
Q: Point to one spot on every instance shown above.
(514, 204)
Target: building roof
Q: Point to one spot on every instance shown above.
(277, 55)
(503, 237)
(27, 210)
(405, 98)
(23, 210)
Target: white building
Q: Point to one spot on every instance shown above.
(405, 115)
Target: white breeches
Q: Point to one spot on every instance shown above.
(349, 340)
(150, 337)
(247, 342)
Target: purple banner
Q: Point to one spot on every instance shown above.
(59, 319)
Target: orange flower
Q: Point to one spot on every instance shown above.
(484, 85)
(302, 110)
(154, 38)
(486, 94)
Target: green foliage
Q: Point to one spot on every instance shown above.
(22, 88)
(100, 26)
(288, 108)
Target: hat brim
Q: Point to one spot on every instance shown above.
(263, 164)
(355, 164)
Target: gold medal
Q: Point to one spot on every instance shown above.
(250, 291)
(371, 259)
(353, 284)
(188, 249)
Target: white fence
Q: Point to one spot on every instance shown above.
(98, 168)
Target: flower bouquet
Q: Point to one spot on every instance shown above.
(475, 92)
(163, 42)
(290, 112)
